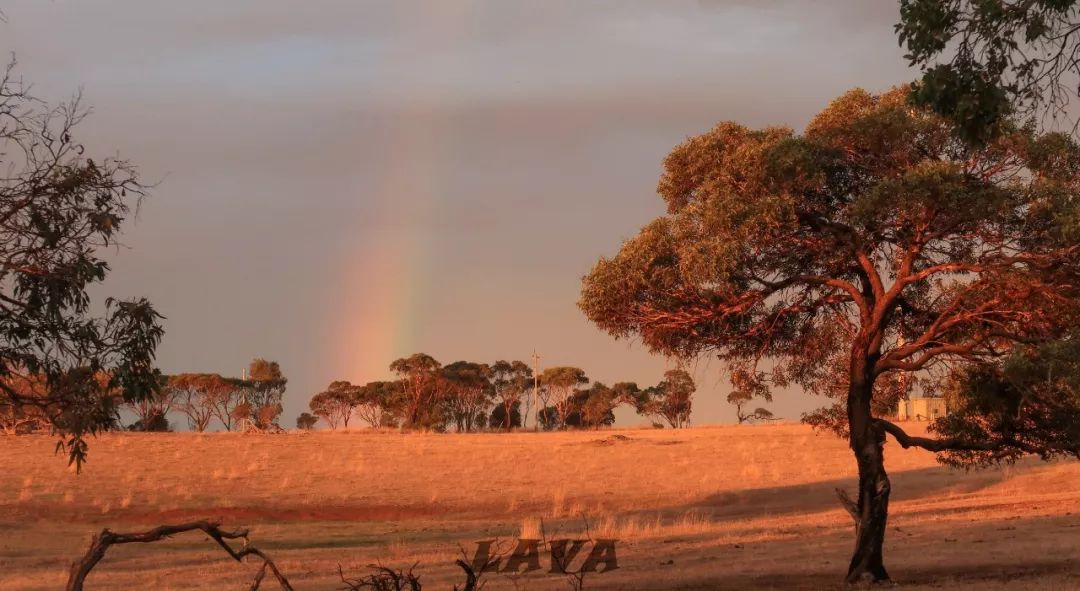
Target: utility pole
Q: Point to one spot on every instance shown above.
(536, 388)
(245, 424)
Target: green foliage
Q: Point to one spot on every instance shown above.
(501, 420)
(877, 243)
(470, 391)
(379, 404)
(510, 380)
(593, 407)
(984, 60)
(335, 405)
(261, 370)
(424, 392)
(155, 423)
(560, 385)
(748, 385)
(670, 400)
(306, 421)
(262, 391)
(58, 209)
(1029, 402)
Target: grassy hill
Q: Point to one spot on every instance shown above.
(748, 507)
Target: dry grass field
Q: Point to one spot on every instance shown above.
(748, 507)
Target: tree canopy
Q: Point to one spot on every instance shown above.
(510, 380)
(985, 61)
(878, 238)
(671, 400)
(560, 384)
(335, 404)
(746, 387)
(423, 388)
(59, 208)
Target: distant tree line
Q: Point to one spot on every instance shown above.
(206, 400)
(463, 396)
(250, 403)
(467, 396)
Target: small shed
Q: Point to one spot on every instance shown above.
(921, 409)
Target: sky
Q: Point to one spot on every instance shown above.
(342, 183)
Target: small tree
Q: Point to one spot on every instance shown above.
(197, 395)
(560, 384)
(676, 397)
(423, 389)
(242, 414)
(671, 400)
(548, 418)
(306, 421)
(379, 403)
(748, 386)
(262, 392)
(596, 406)
(225, 400)
(879, 232)
(152, 423)
(500, 419)
(266, 417)
(335, 405)
(510, 381)
(469, 392)
(151, 413)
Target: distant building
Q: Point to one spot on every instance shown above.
(921, 409)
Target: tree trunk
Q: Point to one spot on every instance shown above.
(867, 441)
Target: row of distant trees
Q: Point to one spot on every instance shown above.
(468, 396)
(206, 400)
(464, 396)
(250, 403)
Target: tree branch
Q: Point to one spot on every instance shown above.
(950, 444)
(106, 538)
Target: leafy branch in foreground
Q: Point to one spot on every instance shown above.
(58, 209)
(985, 61)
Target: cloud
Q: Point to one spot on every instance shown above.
(505, 145)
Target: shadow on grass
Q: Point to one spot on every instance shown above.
(970, 576)
(819, 496)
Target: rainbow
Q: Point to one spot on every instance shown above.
(389, 259)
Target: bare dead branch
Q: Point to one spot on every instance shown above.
(471, 578)
(383, 579)
(101, 543)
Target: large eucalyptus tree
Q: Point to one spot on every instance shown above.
(878, 238)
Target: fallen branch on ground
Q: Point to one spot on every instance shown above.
(106, 538)
(382, 579)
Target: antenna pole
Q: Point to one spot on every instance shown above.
(536, 389)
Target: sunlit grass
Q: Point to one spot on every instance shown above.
(719, 502)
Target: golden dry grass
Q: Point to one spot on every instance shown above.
(707, 508)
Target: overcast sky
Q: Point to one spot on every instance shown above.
(344, 183)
